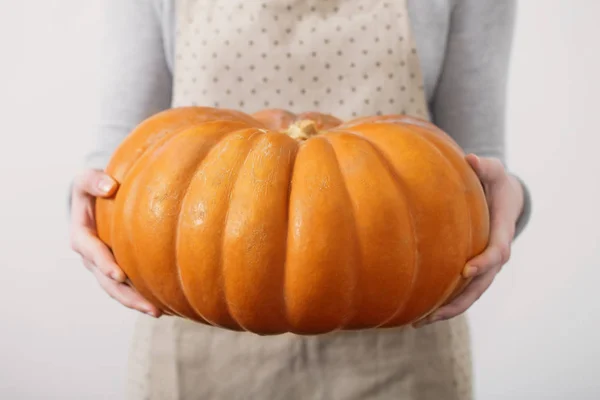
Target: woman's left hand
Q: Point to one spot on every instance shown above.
(505, 201)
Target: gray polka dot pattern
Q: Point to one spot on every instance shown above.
(345, 57)
(301, 55)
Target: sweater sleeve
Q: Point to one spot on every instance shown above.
(469, 101)
(135, 78)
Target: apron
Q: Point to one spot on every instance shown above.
(349, 58)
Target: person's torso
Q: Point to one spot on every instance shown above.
(430, 21)
(345, 57)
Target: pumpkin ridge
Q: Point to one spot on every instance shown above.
(428, 143)
(165, 139)
(252, 139)
(137, 157)
(144, 156)
(164, 132)
(349, 317)
(403, 189)
(426, 126)
(199, 163)
(255, 235)
(460, 284)
(287, 233)
(454, 177)
(317, 279)
(457, 282)
(156, 154)
(198, 248)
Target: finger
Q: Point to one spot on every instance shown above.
(474, 161)
(89, 265)
(497, 253)
(125, 295)
(82, 210)
(487, 169)
(502, 231)
(88, 185)
(91, 248)
(95, 183)
(464, 301)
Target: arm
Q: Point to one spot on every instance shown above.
(470, 98)
(136, 80)
(469, 104)
(135, 83)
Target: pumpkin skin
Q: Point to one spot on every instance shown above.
(222, 218)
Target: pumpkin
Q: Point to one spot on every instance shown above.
(275, 222)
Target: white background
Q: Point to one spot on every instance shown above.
(535, 332)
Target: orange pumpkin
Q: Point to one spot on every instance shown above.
(277, 223)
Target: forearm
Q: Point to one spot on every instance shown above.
(470, 98)
(135, 81)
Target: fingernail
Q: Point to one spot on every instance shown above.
(475, 160)
(469, 271)
(106, 185)
(148, 309)
(118, 276)
(436, 318)
(432, 319)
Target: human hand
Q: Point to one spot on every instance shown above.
(505, 201)
(97, 257)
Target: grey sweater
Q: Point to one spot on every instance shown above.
(463, 45)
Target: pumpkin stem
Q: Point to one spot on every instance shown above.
(302, 130)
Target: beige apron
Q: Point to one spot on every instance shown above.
(344, 57)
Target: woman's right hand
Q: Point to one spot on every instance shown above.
(97, 257)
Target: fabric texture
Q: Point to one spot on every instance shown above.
(172, 358)
(343, 58)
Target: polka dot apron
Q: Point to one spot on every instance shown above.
(344, 57)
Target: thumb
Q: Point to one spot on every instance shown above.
(95, 183)
(487, 169)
